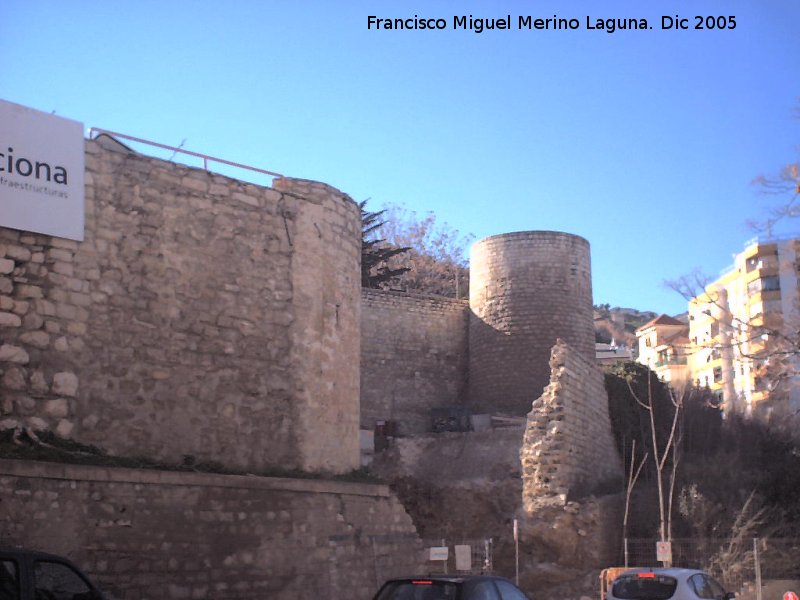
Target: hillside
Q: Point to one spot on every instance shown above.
(619, 323)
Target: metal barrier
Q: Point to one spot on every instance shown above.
(95, 131)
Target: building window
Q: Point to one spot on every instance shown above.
(765, 284)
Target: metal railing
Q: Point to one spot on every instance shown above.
(95, 131)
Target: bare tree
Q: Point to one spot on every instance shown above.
(784, 185)
(735, 559)
(633, 476)
(437, 260)
(668, 453)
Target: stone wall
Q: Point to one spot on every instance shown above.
(571, 474)
(201, 316)
(526, 289)
(413, 357)
(153, 535)
(568, 450)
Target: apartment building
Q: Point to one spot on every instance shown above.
(662, 347)
(738, 322)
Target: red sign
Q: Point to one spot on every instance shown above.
(790, 596)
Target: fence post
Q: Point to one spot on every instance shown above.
(757, 561)
(516, 551)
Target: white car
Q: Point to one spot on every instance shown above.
(667, 584)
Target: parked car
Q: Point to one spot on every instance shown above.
(667, 584)
(444, 587)
(28, 575)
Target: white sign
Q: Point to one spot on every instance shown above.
(41, 172)
(438, 553)
(664, 551)
(463, 557)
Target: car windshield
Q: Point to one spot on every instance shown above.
(423, 589)
(644, 586)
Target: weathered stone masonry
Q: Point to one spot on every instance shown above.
(201, 316)
(526, 289)
(568, 446)
(152, 535)
(413, 357)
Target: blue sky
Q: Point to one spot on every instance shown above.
(644, 142)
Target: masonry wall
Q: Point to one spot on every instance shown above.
(413, 357)
(526, 290)
(201, 316)
(568, 450)
(153, 535)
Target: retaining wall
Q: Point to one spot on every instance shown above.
(153, 535)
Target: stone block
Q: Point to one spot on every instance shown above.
(8, 319)
(56, 408)
(245, 199)
(65, 384)
(37, 423)
(64, 428)
(14, 379)
(6, 266)
(18, 253)
(58, 254)
(33, 321)
(13, 354)
(29, 291)
(39, 383)
(37, 339)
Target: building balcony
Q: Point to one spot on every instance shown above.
(673, 360)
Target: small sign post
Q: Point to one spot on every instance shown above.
(439, 553)
(463, 557)
(664, 552)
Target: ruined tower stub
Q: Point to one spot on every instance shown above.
(526, 290)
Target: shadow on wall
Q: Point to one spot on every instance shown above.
(516, 378)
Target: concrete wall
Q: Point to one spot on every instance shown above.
(201, 316)
(568, 450)
(526, 290)
(413, 357)
(153, 535)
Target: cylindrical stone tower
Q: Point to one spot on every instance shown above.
(526, 290)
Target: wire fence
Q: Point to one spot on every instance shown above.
(746, 566)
